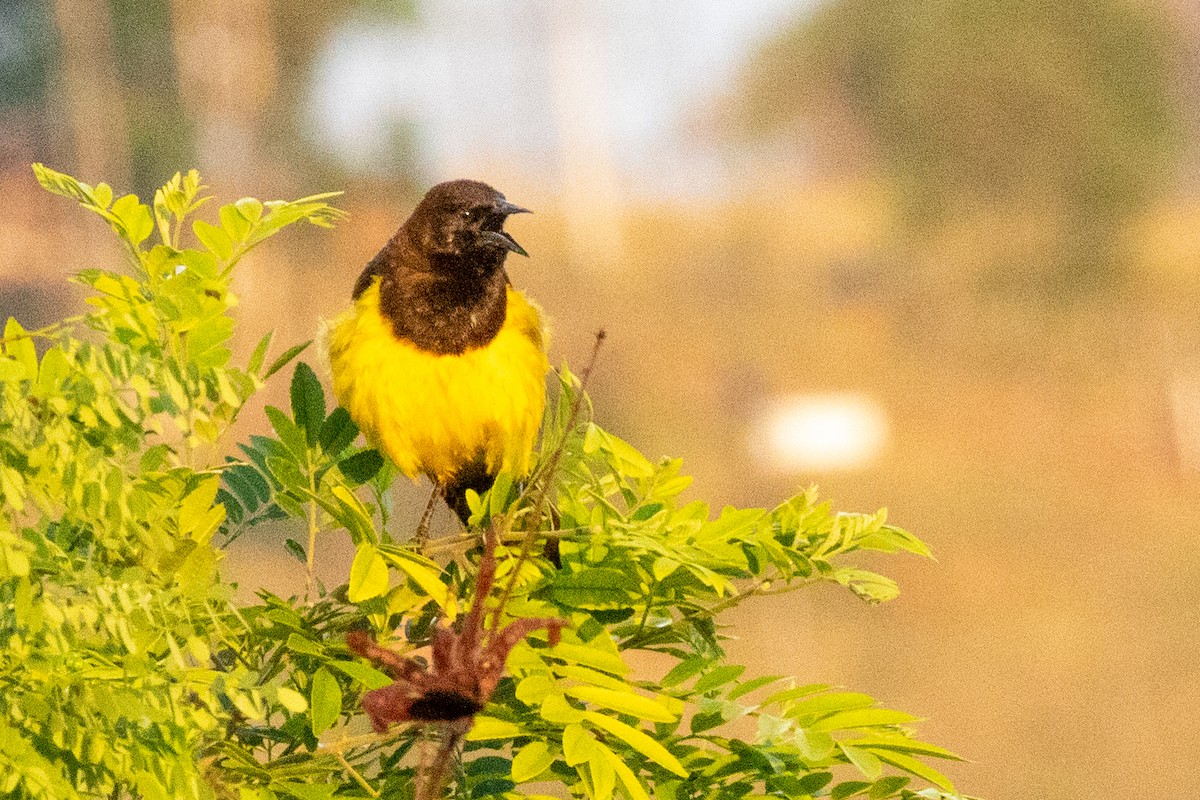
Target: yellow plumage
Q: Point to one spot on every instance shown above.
(433, 414)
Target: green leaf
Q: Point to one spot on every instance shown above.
(867, 763)
(862, 718)
(368, 574)
(600, 769)
(426, 574)
(195, 519)
(20, 346)
(362, 466)
(584, 674)
(915, 767)
(325, 700)
(136, 221)
(301, 644)
(718, 677)
(296, 549)
(500, 494)
(639, 741)
(814, 745)
(684, 670)
(903, 744)
(869, 586)
(215, 239)
(625, 457)
(491, 787)
(350, 512)
(531, 761)
(250, 208)
(824, 704)
(236, 226)
(338, 432)
(53, 370)
(245, 482)
(590, 656)
(624, 702)
(800, 691)
(848, 789)
(555, 708)
(285, 359)
(291, 700)
(260, 353)
(633, 787)
(888, 786)
(595, 588)
(308, 402)
(754, 683)
(288, 432)
(306, 791)
(577, 745)
(365, 674)
(489, 728)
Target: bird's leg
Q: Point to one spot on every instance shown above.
(422, 535)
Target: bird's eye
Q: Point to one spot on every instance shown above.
(469, 214)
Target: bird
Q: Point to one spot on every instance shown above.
(440, 361)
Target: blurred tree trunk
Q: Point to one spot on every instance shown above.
(93, 99)
(228, 73)
(589, 178)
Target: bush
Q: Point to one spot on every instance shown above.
(129, 671)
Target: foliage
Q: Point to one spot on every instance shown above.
(129, 671)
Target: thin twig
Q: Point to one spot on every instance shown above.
(358, 778)
(466, 539)
(348, 742)
(313, 525)
(572, 420)
(546, 478)
(641, 638)
(431, 779)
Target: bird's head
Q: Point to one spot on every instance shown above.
(464, 219)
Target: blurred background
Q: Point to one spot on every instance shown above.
(936, 255)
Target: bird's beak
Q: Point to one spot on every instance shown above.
(505, 240)
(507, 208)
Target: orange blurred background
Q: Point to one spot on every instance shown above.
(934, 255)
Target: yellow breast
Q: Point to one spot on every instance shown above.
(432, 414)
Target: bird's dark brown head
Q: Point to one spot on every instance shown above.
(463, 219)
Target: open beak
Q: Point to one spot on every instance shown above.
(502, 237)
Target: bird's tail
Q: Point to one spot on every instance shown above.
(473, 476)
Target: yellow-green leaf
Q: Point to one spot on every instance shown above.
(556, 709)
(589, 655)
(868, 764)
(426, 575)
(633, 787)
(623, 702)
(325, 699)
(367, 675)
(639, 741)
(20, 346)
(604, 777)
(291, 700)
(368, 574)
(487, 728)
(577, 745)
(915, 767)
(862, 718)
(532, 760)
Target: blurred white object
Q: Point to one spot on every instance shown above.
(820, 432)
